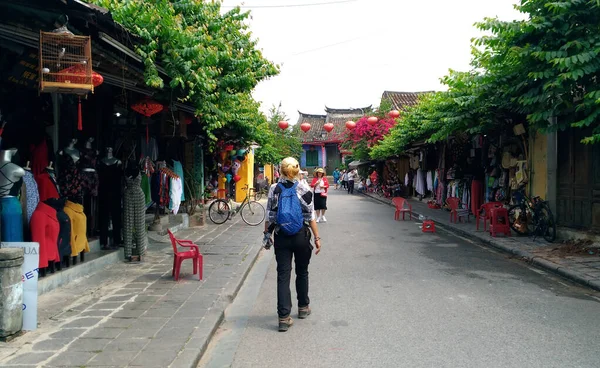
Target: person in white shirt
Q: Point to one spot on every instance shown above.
(351, 177)
(320, 185)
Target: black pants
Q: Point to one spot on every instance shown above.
(110, 209)
(351, 186)
(300, 248)
(344, 184)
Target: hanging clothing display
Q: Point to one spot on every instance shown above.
(135, 238)
(45, 231)
(420, 185)
(109, 202)
(175, 191)
(39, 158)
(429, 180)
(145, 184)
(46, 186)
(476, 196)
(30, 195)
(64, 233)
(178, 169)
(79, 241)
(70, 180)
(11, 219)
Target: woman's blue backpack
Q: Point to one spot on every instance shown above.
(289, 210)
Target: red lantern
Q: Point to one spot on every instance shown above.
(328, 127)
(283, 125)
(237, 178)
(77, 74)
(305, 127)
(372, 120)
(350, 125)
(147, 107)
(394, 114)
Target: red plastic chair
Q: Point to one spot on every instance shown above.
(499, 221)
(454, 204)
(193, 253)
(399, 202)
(486, 213)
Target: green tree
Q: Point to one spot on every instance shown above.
(275, 143)
(211, 59)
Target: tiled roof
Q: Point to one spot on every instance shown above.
(337, 117)
(401, 100)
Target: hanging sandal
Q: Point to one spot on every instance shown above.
(303, 312)
(285, 324)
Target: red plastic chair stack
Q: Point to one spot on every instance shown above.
(399, 202)
(499, 221)
(428, 226)
(456, 214)
(193, 254)
(485, 213)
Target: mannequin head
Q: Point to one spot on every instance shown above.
(10, 173)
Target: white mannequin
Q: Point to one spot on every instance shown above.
(109, 159)
(9, 173)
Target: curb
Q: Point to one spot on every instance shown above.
(524, 255)
(218, 314)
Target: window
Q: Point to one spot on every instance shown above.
(312, 158)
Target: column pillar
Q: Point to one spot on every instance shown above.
(552, 162)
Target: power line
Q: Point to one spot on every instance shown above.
(291, 5)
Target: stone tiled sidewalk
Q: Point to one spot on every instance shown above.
(135, 315)
(581, 269)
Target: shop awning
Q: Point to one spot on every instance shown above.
(355, 164)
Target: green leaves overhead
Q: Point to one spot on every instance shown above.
(534, 69)
(211, 59)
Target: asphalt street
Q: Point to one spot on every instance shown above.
(384, 294)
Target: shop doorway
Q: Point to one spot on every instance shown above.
(578, 197)
(334, 158)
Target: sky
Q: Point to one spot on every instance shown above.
(346, 53)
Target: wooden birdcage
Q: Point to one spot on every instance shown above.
(65, 63)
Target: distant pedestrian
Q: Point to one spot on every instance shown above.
(290, 217)
(320, 185)
(344, 179)
(352, 176)
(336, 177)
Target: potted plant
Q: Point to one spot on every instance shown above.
(194, 204)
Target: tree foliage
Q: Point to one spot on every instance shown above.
(530, 70)
(275, 143)
(211, 59)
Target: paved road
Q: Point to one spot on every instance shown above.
(384, 294)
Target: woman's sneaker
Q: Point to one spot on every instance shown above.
(285, 324)
(323, 219)
(303, 312)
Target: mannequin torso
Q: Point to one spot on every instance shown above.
(10, 173)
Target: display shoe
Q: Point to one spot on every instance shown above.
(285, 324)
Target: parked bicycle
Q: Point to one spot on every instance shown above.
(258, 194)
(252, 212)
(531, 216)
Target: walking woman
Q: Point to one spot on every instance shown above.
(290, 217)
(320, 185)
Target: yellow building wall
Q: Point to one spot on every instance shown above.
(539, 165)
(247, 177)
(269, 172)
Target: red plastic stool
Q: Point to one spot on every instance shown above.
(499, 221)
(428, 226)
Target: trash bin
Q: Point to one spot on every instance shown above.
(11, 292)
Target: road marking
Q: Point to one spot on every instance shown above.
(221, 351)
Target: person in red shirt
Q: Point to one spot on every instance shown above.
(320, 186)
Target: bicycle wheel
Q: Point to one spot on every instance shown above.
(253, 213)
(219, 211)
(518, 220)
(547, 224)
